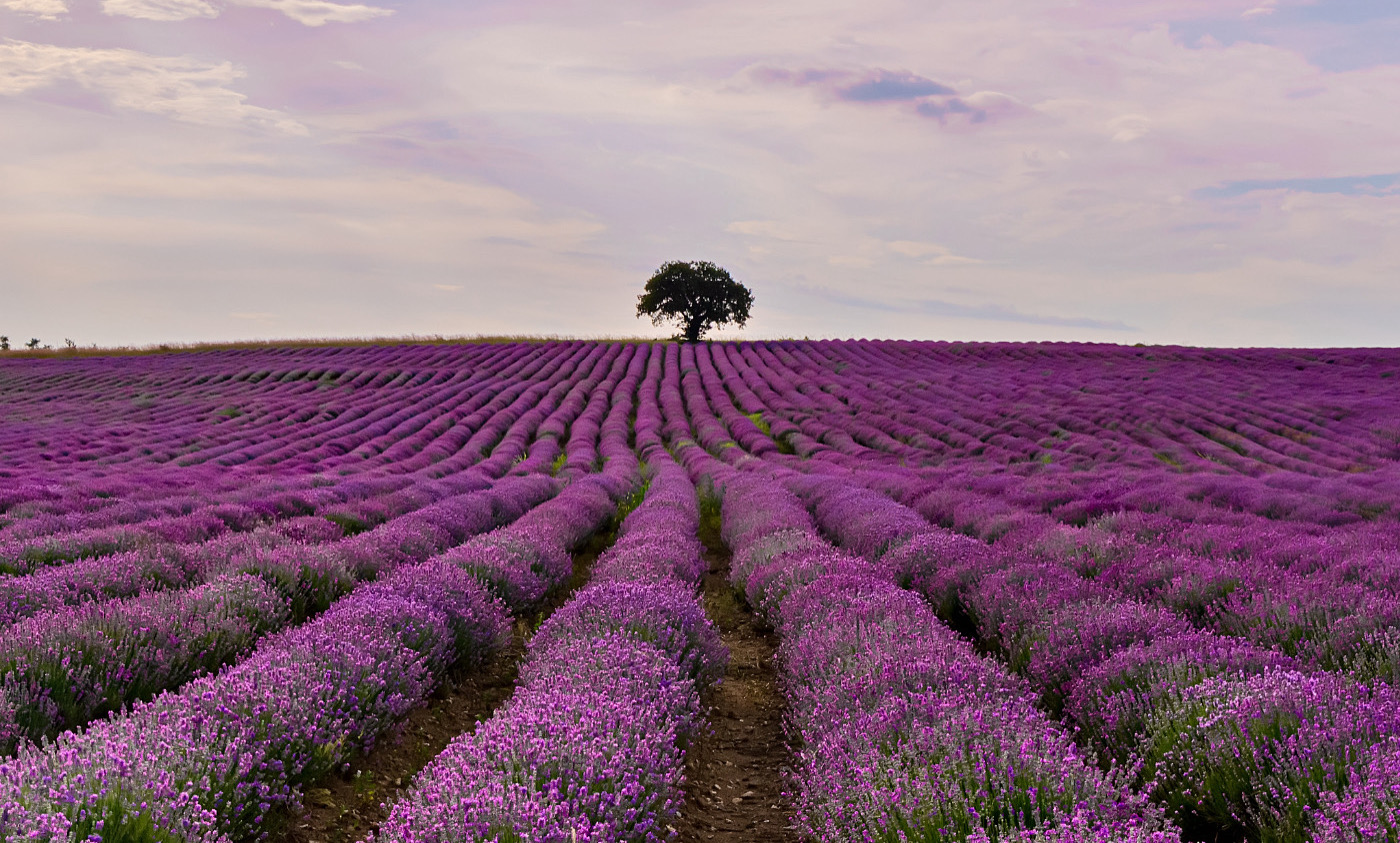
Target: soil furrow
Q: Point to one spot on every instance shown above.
(735, 785)
(346, 807)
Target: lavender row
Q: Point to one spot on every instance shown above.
(241, 503)
(526, 563)
(210, 762)
(906, 732)
(910, 410)
(1232, 738)
(590, 747)
(247, 408)
(1280, 618)
(61, 669)
(1333, 624)
(161, 566)
(356, 505)
(844, 790)
(401, 419)
(1330, 601)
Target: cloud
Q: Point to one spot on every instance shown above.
(875, 85)
(764, 228)
(168, 10)
(851, 261)
(783, 76)
(914, 249)
(937, 255)
(983, 312)
(1128, 127)
(1382, 184)
(307, 12)
(976, 108)
(181, 88)
(929, 98)
(939, 109)
(888, 86)
(41, 9)
(952, 260)
(319, 12)
(447, 288)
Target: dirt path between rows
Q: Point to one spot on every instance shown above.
(347, 807)
(734, 778)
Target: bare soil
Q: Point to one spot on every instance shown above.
(342, 808)
(734, 788)
(349, 806)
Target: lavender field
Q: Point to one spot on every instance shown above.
(1018, 592)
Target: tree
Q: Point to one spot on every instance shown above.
(4, 343)
(696, 295)
(33, 343)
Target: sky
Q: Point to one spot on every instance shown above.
(1199, 172)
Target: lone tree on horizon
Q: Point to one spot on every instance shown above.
(697, 295)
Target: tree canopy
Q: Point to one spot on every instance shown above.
(697, 296)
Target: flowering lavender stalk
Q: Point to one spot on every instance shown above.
(60, 670)
(527, 561)
(1263, 754)
(659, 613)
(1113, 701)
(588, 750)
(209, 762)
(907, 733)
(24, 556)
(591, 745)
(1368, 811)
(103, 578)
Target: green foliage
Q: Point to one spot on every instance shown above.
(696, 295)
(710, 502)
(350, 525)
(114, 816)
(626, 506)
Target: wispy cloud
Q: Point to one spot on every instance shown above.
(931, 254)
(1128, 127)
(1382, 184)
(983, 312)
(1265, 7)
(773, 229)
(320, 12)
(182, 88)
(167, 10)
(307, 12)
(41, 9)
